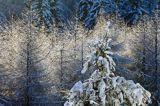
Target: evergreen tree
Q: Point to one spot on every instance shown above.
(59, 12)
(92, 14)
(43, 12)
(103, 87)
(84, 7)
(49, 12)
(89, 10)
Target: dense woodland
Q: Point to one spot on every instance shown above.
(79, 53)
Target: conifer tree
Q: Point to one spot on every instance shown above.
(89, 10)
(49, 12)
(43, 12)
(103, 87)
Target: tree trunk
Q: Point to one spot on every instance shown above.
(28, 54)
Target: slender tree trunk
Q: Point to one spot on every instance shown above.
(61, 64)
(28, 72)
(82, 52)
(144, 49)
(156, 54)
(28, 68)
(75, 36)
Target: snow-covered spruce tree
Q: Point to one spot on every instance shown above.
(60, 12)
(43, 14)
(103, 88)
(92, 14)
(84, 6)
(89, 10)
(49, 12)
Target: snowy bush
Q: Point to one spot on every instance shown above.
(103, 88)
